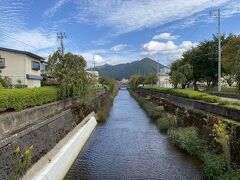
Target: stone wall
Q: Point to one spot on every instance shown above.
(190, 115)
(43, 135)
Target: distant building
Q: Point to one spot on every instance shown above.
(94, 73)
(164, 78)
(124, 80)
(23, 68)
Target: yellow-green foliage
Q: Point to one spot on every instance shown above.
(22, 161)
(222, 137)
(18, 99)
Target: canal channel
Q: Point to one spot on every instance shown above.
(129, 146)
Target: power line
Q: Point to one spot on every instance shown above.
(18, 40)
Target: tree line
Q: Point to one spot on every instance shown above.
(200, 64)
(136, 80)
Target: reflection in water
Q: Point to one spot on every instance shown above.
(129, 146)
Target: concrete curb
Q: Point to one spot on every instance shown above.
(56, 163)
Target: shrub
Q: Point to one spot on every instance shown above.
(103, 112)
(188, 93)
(18, 99)
(166, 121)
(186, 139)
(214, 165)
(231, 174)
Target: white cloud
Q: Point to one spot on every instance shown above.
(133, 15)
(51, 11)
(92, 58)
(12, 15)
(98, 59)
(118, 47)
(103, 56)
(166, 36)
(32, 40)
(168, 48)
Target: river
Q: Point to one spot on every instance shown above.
(129, 146)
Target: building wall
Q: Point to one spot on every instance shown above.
(17, 66)
(164, 80)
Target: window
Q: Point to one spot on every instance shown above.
(2, 62)
(35, 65)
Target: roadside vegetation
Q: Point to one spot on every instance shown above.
(196, 95)
(216, 162)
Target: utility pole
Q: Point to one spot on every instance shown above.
(219, 48)
(94, 67)
(61, 36)
(158, 74)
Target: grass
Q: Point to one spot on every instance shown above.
(227, 90)
(196, 95)
(186, 139)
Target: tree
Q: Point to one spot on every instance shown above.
(69, 70)
(231, 59)
(110, 83)
(135, 81)
(181, 73)
(149, 79)
(203, 60)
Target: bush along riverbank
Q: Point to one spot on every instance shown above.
(212, 149)
(83, 108)
(103, 112)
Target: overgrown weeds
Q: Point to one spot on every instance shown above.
(103, 113)
(186, 139)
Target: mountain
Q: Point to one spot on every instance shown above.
(120, 71)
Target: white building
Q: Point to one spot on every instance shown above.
(94, 73)
(21, 67)
(164, 78)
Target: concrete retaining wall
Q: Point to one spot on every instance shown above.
(13, 122)
(56, 163)
(227, 112)
(43, 135)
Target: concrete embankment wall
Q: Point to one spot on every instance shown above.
(201, 115)
(226, 112)
(43, 134)
(56, 163)
(13, 122)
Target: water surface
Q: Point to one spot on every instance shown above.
(129, 146)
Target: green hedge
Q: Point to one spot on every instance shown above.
(18, 99)
(191, 94)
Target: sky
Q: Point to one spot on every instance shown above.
(114, 31)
